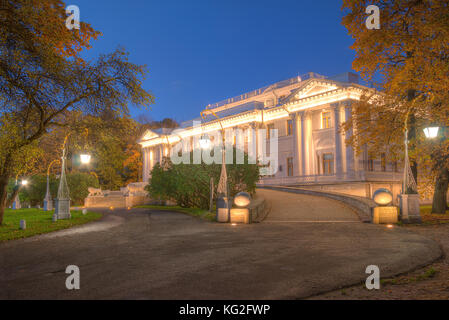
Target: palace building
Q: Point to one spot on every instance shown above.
(307, 111)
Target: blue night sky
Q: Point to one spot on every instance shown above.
(200, 52)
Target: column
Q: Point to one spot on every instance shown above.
(145, 165)
(337, 138)
(308, 156)
(302, 156)
(349, 150)
(296, 145)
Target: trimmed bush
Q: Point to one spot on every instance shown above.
(189, 184)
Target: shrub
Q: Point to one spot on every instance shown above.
(34, 192)
(189, 184)
(79, 183)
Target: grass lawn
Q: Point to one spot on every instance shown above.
(429, 218)
(203, 214)
(39, 221)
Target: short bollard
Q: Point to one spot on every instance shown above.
(23, 224)
(222, 209)
(241, 214)
(84, 212)
(385, 213)
(55, 218)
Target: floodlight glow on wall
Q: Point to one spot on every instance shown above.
(431, 132)
(85, 158)
(24, 182)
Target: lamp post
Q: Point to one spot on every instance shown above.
(222, 188)
(62, 201)
(48, 202)
(16, 203)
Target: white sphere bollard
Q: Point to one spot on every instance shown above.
(23, 224)
(84, 211)
(383, 197)
(242, 199)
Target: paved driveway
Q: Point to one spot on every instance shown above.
(142, 254)
(291, 207)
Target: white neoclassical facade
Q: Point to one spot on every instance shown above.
(307, 111)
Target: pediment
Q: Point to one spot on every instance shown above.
(311, 88)
(148, 135)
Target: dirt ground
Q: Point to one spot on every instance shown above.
(430, 282)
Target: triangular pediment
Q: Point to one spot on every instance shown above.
(311, 88)
(148, 135)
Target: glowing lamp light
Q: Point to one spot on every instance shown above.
(85, 158)
(431, 132)
(389, 226)
(242, 199)
(205, 142)
(383, 197)
(24, 182)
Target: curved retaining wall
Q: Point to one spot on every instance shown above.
(258, 209)
(363, 206)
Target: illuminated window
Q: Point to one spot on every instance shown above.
(289, 127)
(328, 163)
(325, 120)
(290, 167)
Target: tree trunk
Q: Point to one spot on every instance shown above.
(4, 179)
(439, 204)
(13, 196)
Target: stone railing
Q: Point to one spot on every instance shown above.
(362, 206)
(308, 179)
(132, 195)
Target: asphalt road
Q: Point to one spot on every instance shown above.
(142, 254)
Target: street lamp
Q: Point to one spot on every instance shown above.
(222, 188)
(431, 132)
(62, 201)
(85, 158)
(48, 202)
(205, 142)
(16, 203)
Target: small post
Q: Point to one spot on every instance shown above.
(84, 212)
(23, 224)
(211, 203)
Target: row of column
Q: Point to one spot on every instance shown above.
(304, 154)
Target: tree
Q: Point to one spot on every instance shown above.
(112, 142)
(409, 55)
(42, 76)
